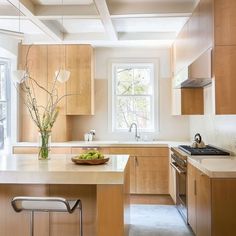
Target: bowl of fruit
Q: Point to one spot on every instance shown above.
(91, 157)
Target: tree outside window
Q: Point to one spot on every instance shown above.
(133, 96)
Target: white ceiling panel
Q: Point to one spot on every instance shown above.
(154, 1)
(60, 2)
(26, 26)
(82, 25)
(161, 24)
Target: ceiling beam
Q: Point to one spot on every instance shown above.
(147, 36)
(28, 9)
(150, 8)
(67, 11)
(106, 18)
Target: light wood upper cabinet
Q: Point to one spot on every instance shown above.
(225, 56)
(187, 101)
(195, 37)
(79, 61)
(206, 37)
(225, 22)
(43, 61)
(225, 84)
(37, 67)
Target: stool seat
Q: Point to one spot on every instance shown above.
(48, 204)
(56, 204)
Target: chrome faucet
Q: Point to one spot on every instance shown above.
(137, 137)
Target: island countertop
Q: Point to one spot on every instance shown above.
(27, 169)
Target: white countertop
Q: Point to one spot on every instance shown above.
(27, 169)
(158, 143)
(215, 166)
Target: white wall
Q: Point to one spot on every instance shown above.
(171, 128)
(219, 130)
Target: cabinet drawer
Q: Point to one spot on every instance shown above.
(138, 151)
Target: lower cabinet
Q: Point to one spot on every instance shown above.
(199, 201)
(149, 171)
(211, 204)
(149, 166)
(151, 174)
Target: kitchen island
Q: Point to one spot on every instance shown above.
(103, 190)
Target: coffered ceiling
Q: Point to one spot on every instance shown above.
(98, 22)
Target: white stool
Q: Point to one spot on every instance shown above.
(48, 204)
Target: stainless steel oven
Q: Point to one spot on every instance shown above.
(179, 163)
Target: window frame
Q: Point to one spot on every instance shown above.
(6, 63)
(149, 63)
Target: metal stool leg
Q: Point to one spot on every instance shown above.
(32, 223)
(81, 221)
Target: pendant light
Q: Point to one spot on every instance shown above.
(63, 75)
(19, 76)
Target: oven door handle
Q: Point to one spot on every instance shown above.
(181, 172)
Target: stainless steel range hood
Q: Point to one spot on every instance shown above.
(198, 74)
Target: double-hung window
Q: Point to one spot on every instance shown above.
(133, 96)
(4, 101)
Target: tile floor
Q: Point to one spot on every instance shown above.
(157, 220)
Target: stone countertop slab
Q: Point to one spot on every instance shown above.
(27, 169)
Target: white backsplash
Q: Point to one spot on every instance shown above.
(219, 130)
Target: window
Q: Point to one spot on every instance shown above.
(133, 96)
(3, 102)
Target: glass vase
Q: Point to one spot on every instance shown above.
(44, 145)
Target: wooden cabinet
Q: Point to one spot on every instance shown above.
(79, 61)
(151, 174)
(191, 197)
(224, 22)
(37, 66)
(187, 101)
(181, 49)
(225, 56)
(195, 37)
(211, 204)
(148, 167)
(225, 84)
(43, 62)
(206, 37)
(199, 201)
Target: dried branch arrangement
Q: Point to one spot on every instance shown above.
(43, 115)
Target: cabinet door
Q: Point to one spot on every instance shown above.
(79, 61)
(206, 24)
(37, 67)
(203, 204)
(224, 24)
(192, 101)
(191, 197)
(152, 175)
(181, 50)
(225, 83)
(56, 61)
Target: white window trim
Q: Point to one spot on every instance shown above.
(155, 77)
(6, 62)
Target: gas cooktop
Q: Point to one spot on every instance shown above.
(208, 150)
